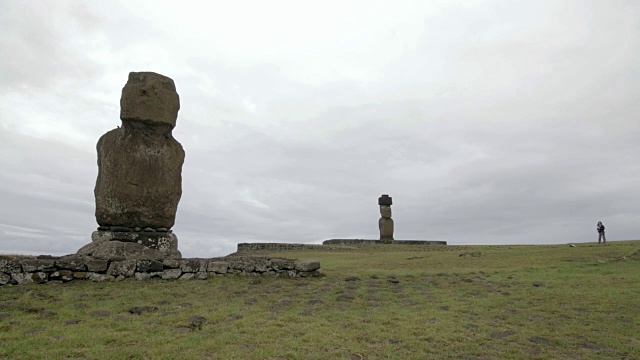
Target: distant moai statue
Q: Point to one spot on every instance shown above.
(385, 224)
(139, 180)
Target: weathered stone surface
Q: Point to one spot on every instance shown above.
(21, 278)
(283, 264)
(187, 276)
(142, 276)
(126, 250)
(190, 265)
(9, 265)
(139, 177)
(124, 268)
(149, 266)
(79, 274)
(97, 265)
(201, 275)
(4, 278)
(261, 266)
(385, 226)
(219, 267)
(165, 242)
(64, 275)
(33, 265)
(171, 274)
(150, 98)
(307, 266)
(39, 277)
(139, 180)
(171, 263)
(99, 277)
(71, 262)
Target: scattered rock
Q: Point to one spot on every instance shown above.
(73, 322)
(197, 321)
(537, 283)
(471, 254)
(572, 245)
(351, 278)
(394, 281)
(140, 309)
(32, 310)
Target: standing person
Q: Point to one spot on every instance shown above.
(600, 229)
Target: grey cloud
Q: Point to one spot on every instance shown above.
(500, 123)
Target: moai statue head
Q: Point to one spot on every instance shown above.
(149, 98)
(385, 211)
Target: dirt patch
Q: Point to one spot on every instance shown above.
(590, 346)
(8, 304)
(539, 340)
(251, 301)
(346, 296)
(502, 334)
(47, 314)
(100, 313)
(315, 302)
(306, 312)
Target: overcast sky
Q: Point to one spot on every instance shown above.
(488, 122)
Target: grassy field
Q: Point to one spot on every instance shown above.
(375, 302)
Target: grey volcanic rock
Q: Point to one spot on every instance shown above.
(150, 98)
(139, 180)
(126, 250)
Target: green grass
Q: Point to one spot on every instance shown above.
(440, 306)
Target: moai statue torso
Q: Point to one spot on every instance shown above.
(385, 224)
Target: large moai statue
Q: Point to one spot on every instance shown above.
(139, 180)
(385, 224)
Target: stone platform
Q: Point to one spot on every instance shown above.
(371, 242)
(132, 245)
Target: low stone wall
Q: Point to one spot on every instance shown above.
(369, 242)
(14, 271)
(278, 246)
